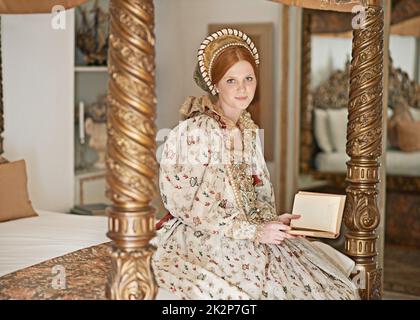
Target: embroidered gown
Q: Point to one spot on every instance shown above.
(207, 249)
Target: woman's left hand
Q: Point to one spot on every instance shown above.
(285, 218)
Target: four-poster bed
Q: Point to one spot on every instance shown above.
(132, 165)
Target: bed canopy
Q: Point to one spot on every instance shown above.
(132, 166)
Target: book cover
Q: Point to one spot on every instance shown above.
(321, 214)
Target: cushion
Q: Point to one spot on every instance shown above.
(321, 130)
(415, 112)
(401, 115)
(14, 197)
(337, 121)
(409, 136)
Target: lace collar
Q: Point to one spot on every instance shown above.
(197, 105)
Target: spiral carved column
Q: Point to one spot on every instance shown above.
(306, 139)
(131, 160)
(364, 132)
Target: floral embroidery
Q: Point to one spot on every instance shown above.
(207, 250)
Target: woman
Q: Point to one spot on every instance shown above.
(222, 237)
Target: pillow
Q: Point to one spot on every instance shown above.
(409, 136)
(321, 130)
(390, 112)
(14, 198)
(400, 116)
(415, 112)
(337, 122)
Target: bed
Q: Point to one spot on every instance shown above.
(41, 256)
(132, 166)
(329, 126)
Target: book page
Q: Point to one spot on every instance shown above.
(318, 212)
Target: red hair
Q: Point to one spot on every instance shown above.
(228, 58)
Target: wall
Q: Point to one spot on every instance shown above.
(38, 91)
(39, 123)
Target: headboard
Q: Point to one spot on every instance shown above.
(333, 93)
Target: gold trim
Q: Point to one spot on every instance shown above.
(332, 5)
(306, 136)
(214, 44)
(1, 100)
(131, 148)
(284, 111)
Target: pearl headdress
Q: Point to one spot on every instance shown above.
(212, 47)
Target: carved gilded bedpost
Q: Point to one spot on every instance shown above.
(131, 160)
(306, 138)
(364, 135)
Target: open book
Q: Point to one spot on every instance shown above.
(321, 214)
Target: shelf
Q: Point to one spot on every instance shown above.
(90, 172)
(91, 69)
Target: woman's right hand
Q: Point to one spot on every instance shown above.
(273, 232)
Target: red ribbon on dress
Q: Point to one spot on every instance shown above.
(165, 218)
(256, 180)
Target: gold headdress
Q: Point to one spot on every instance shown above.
(212, 47)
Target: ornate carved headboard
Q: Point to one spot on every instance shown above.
(334, 94)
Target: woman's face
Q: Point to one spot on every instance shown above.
(237, 87)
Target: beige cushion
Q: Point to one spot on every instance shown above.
(337, 120)
(14, 198)
(409, 136)
(321, 130)
(415, 112)
(400, 116)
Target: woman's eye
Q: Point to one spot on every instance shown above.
(230, 81)
(250, 78)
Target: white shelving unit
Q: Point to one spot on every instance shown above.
(90, 82)
(91, 69)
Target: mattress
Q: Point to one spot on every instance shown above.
(30, 241)
(397, 162)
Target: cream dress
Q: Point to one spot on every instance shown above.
(207, 251)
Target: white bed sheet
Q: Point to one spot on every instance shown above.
(29, 241)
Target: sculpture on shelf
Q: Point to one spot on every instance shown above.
(97, 140)
(97, 109)
(92, 35)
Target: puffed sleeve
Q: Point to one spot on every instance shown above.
(193, 187)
